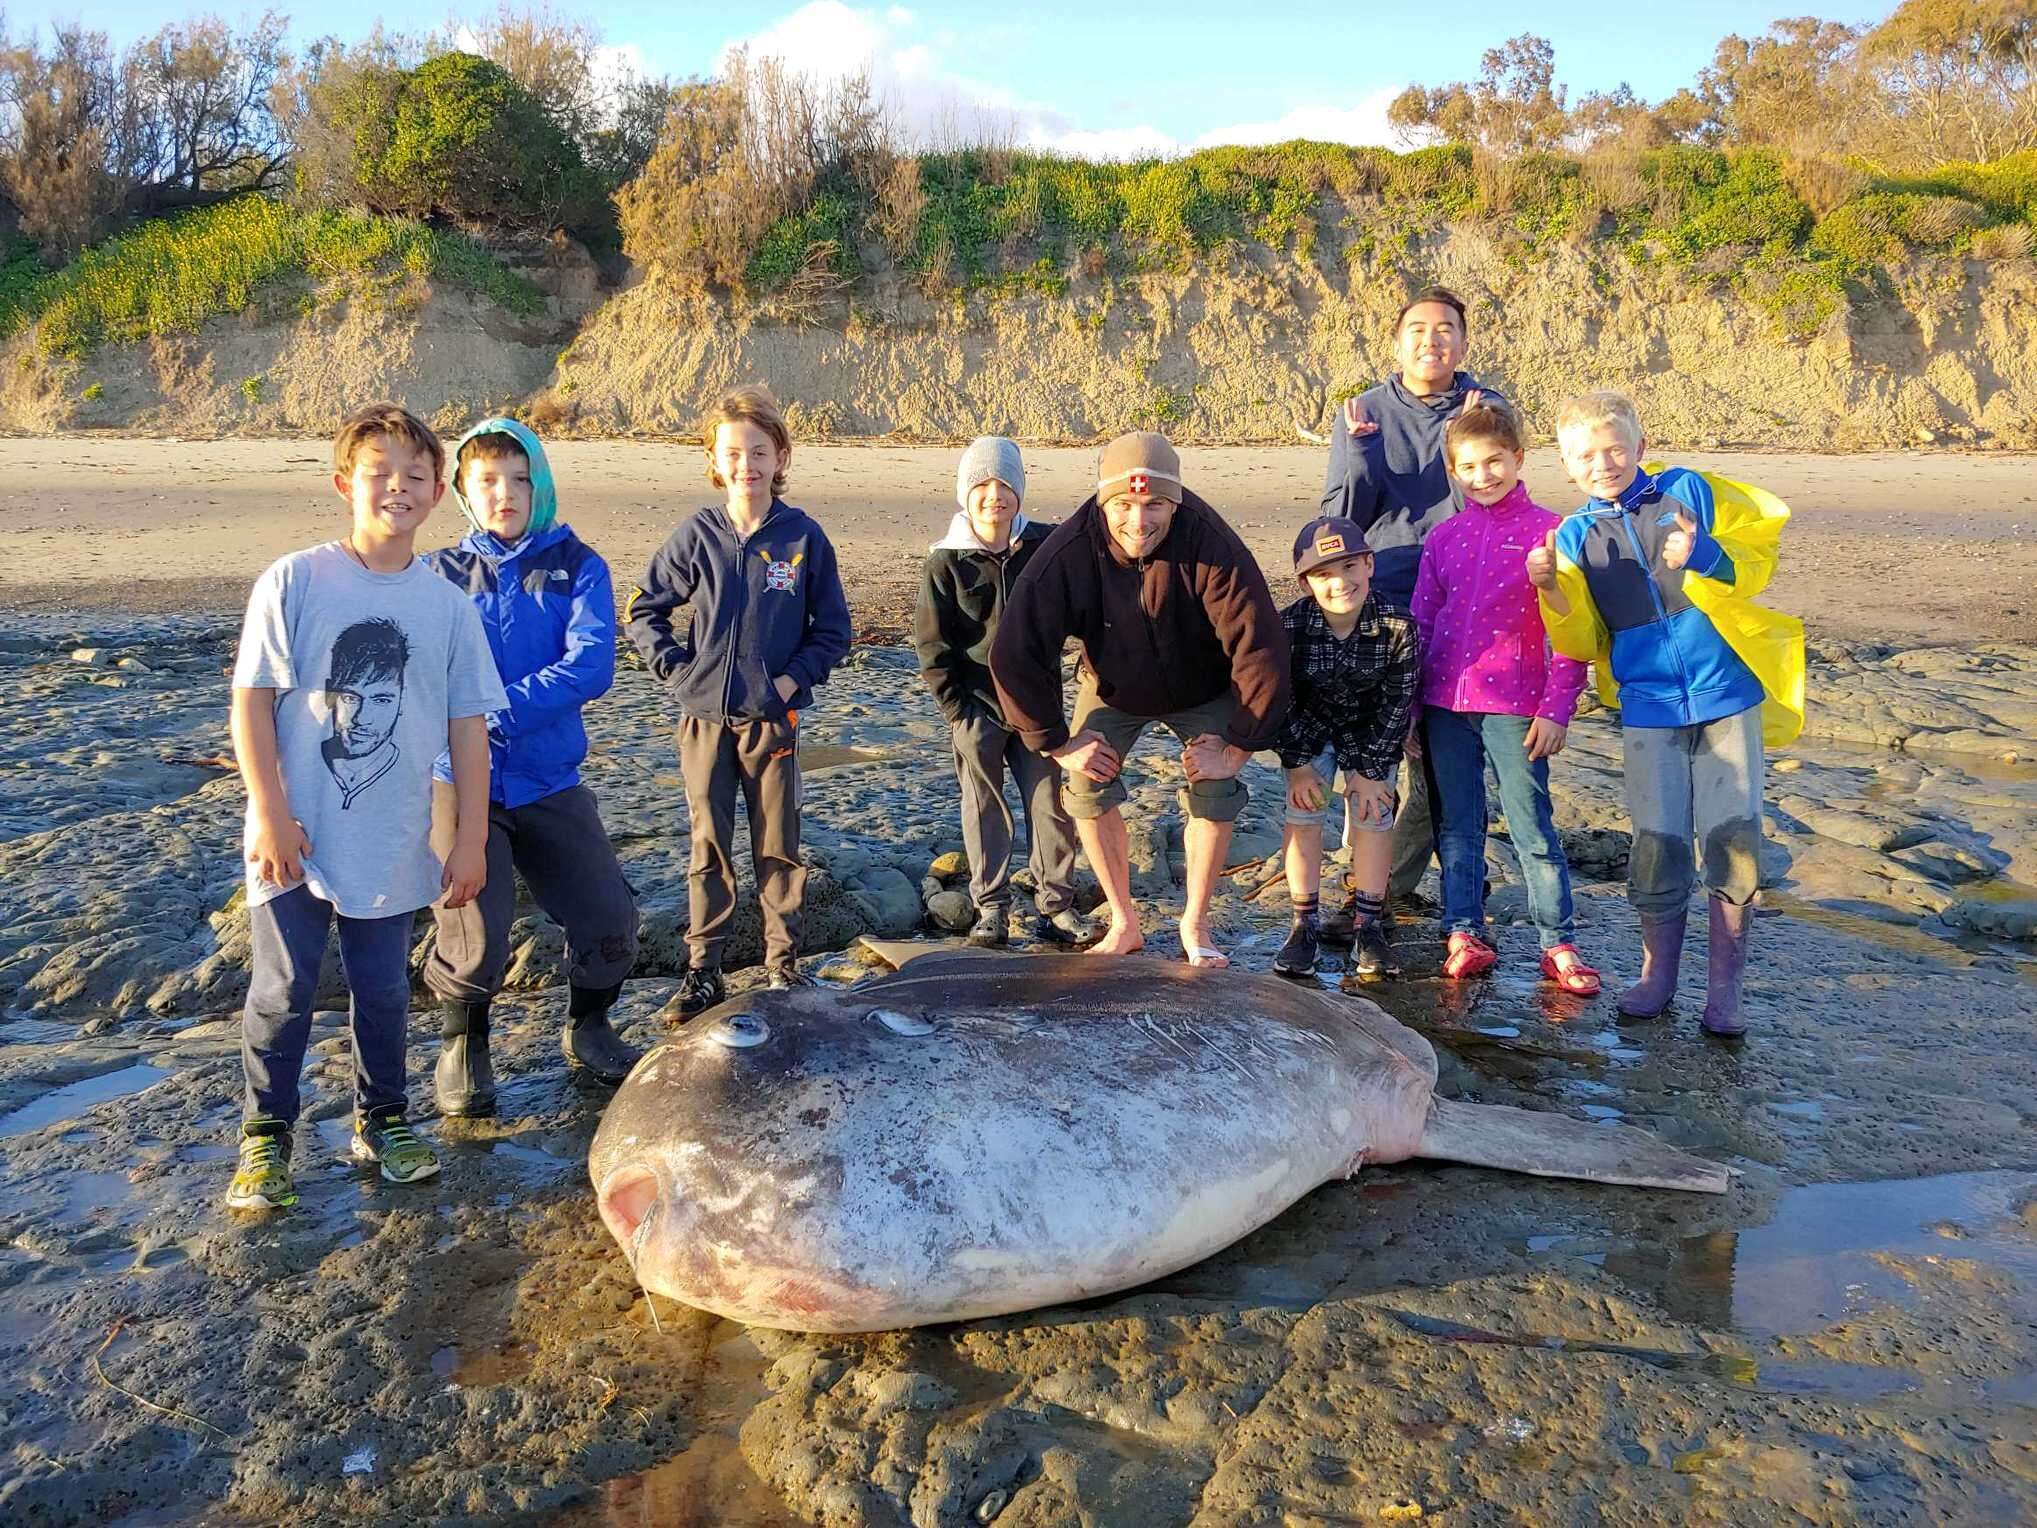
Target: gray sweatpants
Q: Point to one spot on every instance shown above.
(760, 759)
(1414, 830)
(1697, 785)
(561, 850)
(984, 750)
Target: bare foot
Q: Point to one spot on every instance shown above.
(1121, 939)
(1200, 952)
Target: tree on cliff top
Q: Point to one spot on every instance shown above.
(1956, 79)
(1514, 106)
(738, 153)
(454, 137)
(89, 137)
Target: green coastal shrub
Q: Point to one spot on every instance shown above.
(1881, 229)
(458, 137)
(174, 273)
(1708, 200)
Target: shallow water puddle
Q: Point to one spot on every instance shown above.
(493, 1365)
(72, 1099)
(819, 756)
(1819, 1258)
(708, 1484)
(1832, 1252)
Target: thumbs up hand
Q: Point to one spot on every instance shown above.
(1356, 420)
(1542, 563)
(1676, 548)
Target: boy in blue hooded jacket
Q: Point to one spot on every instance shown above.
(766, 621)
(548, 608)
(1654, 580)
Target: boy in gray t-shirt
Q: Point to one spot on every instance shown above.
(357, 668)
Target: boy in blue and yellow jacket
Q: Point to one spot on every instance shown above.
(549, 611)
(1653, 580)
(767, 621)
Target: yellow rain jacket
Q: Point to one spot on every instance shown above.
(1747, 524)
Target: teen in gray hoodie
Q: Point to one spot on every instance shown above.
(1390, 472)
(969, 572)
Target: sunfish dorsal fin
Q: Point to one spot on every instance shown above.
(1557, 1146)
(896, 952)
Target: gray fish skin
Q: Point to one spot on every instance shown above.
(1067, 1127)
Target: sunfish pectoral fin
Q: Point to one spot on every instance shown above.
(1557, 1146)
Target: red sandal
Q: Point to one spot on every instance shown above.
(1580, 979)
(1468, 955)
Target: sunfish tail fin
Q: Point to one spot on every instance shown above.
(1557, 1146)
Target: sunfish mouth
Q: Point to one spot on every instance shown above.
(628, 1200)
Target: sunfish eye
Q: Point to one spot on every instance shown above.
(739, 1031)
(901, 1023)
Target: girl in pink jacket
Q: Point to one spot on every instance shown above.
(1491, 690)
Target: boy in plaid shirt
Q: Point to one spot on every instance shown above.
(1356, 668)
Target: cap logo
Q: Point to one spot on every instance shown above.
(1329, 546)
(1138, 482)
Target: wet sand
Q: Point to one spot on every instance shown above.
(1934, 546)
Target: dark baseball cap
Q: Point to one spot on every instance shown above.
(1329, 538)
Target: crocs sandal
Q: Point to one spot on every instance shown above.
(1580, 979)
(1468, 955)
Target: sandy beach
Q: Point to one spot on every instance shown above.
(1918, 546)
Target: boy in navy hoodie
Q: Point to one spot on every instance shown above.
(767, 622)
(1389, 471)
(549, 611)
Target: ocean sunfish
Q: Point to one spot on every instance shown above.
(976, 1134)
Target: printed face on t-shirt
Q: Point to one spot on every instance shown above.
(364, 717)
(364, 692)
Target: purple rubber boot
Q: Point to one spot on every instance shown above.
(1661, 955)
(1727, 964)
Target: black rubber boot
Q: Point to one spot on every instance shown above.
(589, 1040)
(464, 1082)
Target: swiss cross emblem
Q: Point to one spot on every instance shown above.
(1137, 483)
(1329, 546)
(779, 575)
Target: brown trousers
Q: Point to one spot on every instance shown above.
(761, 759)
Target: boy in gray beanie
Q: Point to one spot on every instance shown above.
(969, 572)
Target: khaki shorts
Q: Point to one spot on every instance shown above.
(1211, 800)
(1325, 766)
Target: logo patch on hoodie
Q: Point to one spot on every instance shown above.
(779, 575)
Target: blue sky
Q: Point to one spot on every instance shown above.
(1122, 78)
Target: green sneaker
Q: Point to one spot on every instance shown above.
(262, 1182)
(386, 1137)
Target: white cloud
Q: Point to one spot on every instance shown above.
(1364, 123)
(616, 63)
(935, 103)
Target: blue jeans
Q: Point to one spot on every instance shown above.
(289, 940)
(1459, 744)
